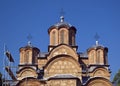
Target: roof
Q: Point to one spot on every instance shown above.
(97, 46)
(61, 76)
(42, 54)
(29, 46)
(61, 24)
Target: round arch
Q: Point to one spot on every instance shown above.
(62, 49)
(25, 72)
(101, 72)
(62, 64)
(98, 81)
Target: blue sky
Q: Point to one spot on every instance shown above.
(18, 18)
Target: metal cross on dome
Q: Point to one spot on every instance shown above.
(62, 15)
(29, 37)
(96, 38)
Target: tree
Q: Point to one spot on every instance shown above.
(116, 79)
(0, 79)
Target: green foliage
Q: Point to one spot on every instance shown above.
(117, 78)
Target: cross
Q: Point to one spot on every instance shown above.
(29, 37)
(62, 15)
(96, 38)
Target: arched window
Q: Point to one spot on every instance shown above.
(26, 58)
(53, 37)
(92, 56)
(22, 57)
(62, 36)
(98, 57)
(73, 38)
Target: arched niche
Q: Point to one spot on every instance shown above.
(54, 37)
(63, 36)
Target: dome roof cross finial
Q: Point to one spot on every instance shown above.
(96, 38)
(62, 19)
(62, 15)
(29, 37)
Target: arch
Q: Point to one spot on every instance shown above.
(30, 81)
(27, 57)
(98, 81)
(101, 72)
(25, 72)
(92, 55)
(54, 37)
(72, 37)
(63, 49)
(62, 64)
(63, 36)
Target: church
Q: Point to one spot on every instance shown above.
(62, 65)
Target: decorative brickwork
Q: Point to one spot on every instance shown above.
(63, 65)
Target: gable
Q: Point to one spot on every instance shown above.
(63, 50)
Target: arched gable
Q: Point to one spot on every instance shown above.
(25, 72)
(98, 81)
(62, 64)
(63, 50)
(101, 72)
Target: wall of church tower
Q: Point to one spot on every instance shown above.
(25, 56)
(28, 55)
(97, 56)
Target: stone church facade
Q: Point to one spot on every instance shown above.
(62, 65)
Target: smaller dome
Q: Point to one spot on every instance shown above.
(97, 46)
(29, 46)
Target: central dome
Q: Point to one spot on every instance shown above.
(61, 24)
(62, 33)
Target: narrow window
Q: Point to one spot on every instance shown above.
(62, 36)
(26, 58)
(92, 56)
(70, 38)
(98, 57)
(54, 38)
(73, 39)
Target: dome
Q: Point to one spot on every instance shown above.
(29, 46)
(61, 24)
(97, 46)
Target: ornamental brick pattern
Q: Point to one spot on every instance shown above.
(62, 64)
